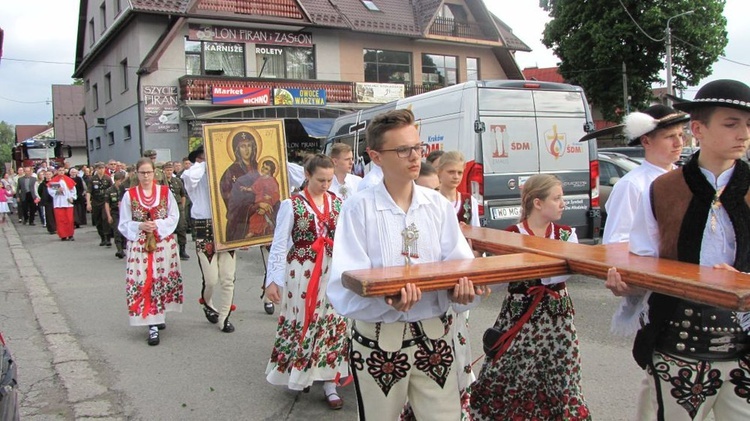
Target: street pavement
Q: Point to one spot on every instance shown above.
(62, 311)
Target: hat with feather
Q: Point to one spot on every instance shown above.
(652, 118)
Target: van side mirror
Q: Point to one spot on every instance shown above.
(613, 180)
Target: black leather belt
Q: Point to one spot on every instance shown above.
(703, 332)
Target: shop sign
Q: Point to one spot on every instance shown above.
(161, 110)
(255, 36)
(299, 96)
(241, 96)
(379, 93)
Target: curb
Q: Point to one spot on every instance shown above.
(86, 394)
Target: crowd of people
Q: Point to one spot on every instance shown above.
(408, 355)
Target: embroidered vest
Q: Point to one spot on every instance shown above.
(681, 217)
(158, 211)
(304, 230)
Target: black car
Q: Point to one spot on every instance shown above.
(8, 385)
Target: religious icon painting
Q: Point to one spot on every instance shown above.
(247, 176)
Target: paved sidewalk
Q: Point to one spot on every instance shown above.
(56, 378)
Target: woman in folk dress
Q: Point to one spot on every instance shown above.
(311, 339)
(148, 218)
(536, 370)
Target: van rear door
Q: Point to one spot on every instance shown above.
(530, 131)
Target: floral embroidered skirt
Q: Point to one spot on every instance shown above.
(166, 286)
(539, 376)
(323, 353)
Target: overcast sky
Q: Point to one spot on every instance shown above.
(40, 42)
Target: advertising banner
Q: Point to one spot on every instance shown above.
(161, 111)
(241, 96)
(299, 96)
(379, 93)
(249, 35)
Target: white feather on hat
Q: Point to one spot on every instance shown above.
(637, 124)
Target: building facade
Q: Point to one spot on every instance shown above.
(155, 71)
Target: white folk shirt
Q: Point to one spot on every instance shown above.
(282, 240)
(296, 175)
(346, 190)
(368, 235)
(164, 227)
(61, 193)
(624, 200)
(196, 186)
(572, 239)
(717, 246)
(372, 178)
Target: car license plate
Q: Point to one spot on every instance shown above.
(506, 212)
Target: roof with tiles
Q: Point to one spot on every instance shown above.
(511, 41)
(163, 6)
(323, 13)
(395, 17)
(27, 131)
(67, 103)
(546, 74)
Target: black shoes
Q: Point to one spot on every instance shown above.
(183, 255)
(102, 243)
(108, 243)
(161, 326)
(269, 307)
(153, 335)
(211, 315)
(228, 327)
(120, 254)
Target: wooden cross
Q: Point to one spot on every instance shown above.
(522, 257)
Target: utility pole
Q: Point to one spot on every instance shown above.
(669, 56)
(625, 98)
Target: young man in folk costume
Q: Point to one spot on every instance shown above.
(400, 348)
(696, 356)
(345, 184)
(217, 267)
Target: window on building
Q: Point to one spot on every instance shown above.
(118, 7)
(455, 12)
(86, 85)
(126, 134)
(285, 62)
(111, 138)
(124, 76)
(98, 144)
(95, 96)
(370, 5)
(91, 32)
(385, 66)
(103, 15)
(91, 144)
(472, 68)
(108, 87)
(439, 70)
(214, 58)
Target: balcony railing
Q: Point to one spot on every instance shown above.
(453, 28)
(200, 88)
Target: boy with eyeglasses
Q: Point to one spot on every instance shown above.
(400, 350)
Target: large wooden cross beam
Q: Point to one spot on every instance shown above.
(523, 257)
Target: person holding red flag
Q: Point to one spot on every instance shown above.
(148, 218)
(63, 191)
(311, 339)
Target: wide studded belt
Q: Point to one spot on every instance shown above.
(414, 329)
(703, 332)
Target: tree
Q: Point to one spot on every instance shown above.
(594, 38)
(7, 139)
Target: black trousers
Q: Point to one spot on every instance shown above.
(28, 208)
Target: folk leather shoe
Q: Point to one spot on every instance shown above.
(153, 335)
(228, 327)
(211, 315)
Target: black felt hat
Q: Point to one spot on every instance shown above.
(194, 154)
(652, 118)
(719, 93)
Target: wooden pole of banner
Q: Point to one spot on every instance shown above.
(718, 287)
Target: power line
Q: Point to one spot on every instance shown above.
(25, 102)
(701, 49)
(639, 26)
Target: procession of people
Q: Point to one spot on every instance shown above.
(408, 355)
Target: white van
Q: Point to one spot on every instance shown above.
(507, 130)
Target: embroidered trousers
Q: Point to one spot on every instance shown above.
(422, 374)
(678, 388)
(218, 272)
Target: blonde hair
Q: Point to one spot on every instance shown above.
(536, 187)
(339, 149)
(452, 157)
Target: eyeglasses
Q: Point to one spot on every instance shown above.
(405, 151)
(146, 172)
